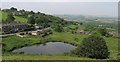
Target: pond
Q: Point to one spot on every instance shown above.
(49, 48)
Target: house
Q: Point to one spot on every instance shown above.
(37, 32)
(36, 26)
(15, 27)
(82, 32)
(114, 34)
(40, 32)
(47, 29)
(22, 34)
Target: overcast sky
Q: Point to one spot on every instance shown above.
(72, 8)
(60, 0)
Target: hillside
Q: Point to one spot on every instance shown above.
(17, 18)
(23, 16)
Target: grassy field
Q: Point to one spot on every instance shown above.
(17, 18)
(41, 57)
(20, 19)
(112, 44)
(17, 42)
(4, 15)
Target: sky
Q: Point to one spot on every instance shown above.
(59, 7)
(59, 0)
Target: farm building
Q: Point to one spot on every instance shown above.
(42, 31)
(47, 29)
(82, 32)
(114, 34)
(37, 32)
(13, 28)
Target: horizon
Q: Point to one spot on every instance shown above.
(99, 9)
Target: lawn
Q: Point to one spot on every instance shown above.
(112, 44)
(17, 42)
(4, 15)
(20, 19)
(66, 37)
(41, 57)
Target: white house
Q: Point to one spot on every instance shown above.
(37, 32)
(82, 32)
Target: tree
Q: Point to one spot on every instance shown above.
(43, 21)
(10, 18)
(31, 20)
(81, 23)
(22, 11)
(31, 12)
(89, 28)
(95, 33)
(38, 12)
(13, 9)
(59, 28)
(93, 46)
(103, 32)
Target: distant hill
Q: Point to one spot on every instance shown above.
(92, 20)
(72, 17)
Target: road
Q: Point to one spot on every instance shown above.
(7, 35)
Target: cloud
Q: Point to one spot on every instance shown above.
(59, 0)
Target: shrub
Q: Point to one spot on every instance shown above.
(59, 28)
(93, 47)
(104, 32)
(76, 39)
(30, 33)
(22, 33)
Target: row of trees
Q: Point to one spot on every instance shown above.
(45, 20)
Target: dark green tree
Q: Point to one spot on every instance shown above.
(59, 28)
(13, 9)
(93, 46)
(31, 12)
(103, 32)
(42, 21)
(10, 18)
(81, 23)
(31, 20)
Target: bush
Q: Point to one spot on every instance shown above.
(93, 47)
(22, 33)
(76, 39)
(59, 28)
(104, 32)
(30, 33)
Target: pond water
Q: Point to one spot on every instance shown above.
(49, 48)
